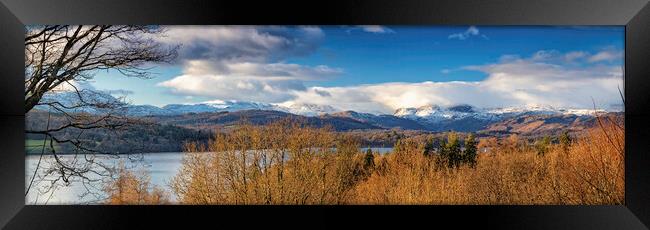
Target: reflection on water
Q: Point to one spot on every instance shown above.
(160, 166)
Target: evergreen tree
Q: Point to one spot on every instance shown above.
(565, 140)
(443, 154)
(369, 160)
(428, 147)
(542, 145)
(453, 150)
(470, 152)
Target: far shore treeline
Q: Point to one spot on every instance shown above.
(154, 134)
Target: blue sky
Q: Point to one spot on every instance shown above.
(410, 66)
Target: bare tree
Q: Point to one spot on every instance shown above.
(63, 56)
(55, 55)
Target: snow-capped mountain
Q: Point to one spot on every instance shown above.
(71, 102)
(216, 106)
(543, 109)
(307, 109)
(435, 113)
(469, 118)
(231, 106)
(429, 115)
(531, 120)
(146, 110)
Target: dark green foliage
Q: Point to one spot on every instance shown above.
(429, 147)
(140, 137)
(368, 163)
(470, 152)
(453, 150)
(542, 145)
(565, 140)
(450, 153)
(443, 154)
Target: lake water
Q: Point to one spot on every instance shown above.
(160, 166)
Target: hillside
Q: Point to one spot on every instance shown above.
(537, 125)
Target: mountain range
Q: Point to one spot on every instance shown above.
(464, 118)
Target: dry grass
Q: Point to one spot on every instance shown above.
(291, 164)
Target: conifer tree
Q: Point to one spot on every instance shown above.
(443, 154)
(369, 161)
(453, 150)
(470, 152)
(542, 145)
(565, 140)
(429, 147)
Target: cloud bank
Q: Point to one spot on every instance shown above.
(248, 81)
(250, 64)
(513, 81)
(244, 62)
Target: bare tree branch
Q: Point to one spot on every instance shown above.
(59, 56)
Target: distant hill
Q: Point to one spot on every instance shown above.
(524, 124)
(259, 117)
(381, 121)
(537, 125)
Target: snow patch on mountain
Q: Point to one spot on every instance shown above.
(306, 109)
(544, 109)
(435, 113)
(216, 106)
(71, 102)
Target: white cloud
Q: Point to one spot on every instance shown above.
(471, 31)
(229, 88)
(250, 70)
(606, 55)
(544, 55)
(244, 62)
(376, 29)
(510, 82)
(242, 43)
(263, 82)
(386, 97)
(249, 64)
(575, 55)
(554, 56)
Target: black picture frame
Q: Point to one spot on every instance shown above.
(633, 14)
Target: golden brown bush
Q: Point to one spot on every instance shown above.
(281, 163)
(131, 188)
(287, 163)
(589, 171)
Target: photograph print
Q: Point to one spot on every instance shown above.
(324, 115)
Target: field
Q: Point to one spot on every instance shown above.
(36, 146)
